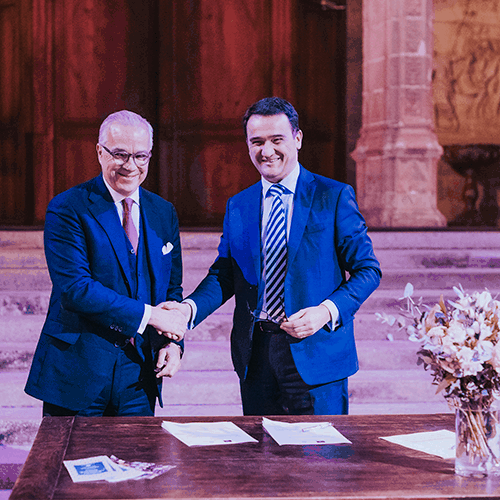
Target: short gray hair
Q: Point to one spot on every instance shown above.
(125, 118)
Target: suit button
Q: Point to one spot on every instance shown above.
(132, 250)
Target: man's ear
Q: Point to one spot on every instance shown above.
(298, 138)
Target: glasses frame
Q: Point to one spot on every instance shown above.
(133, 155)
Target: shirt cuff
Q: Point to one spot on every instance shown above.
(145, 318)
(334, 314)
(194, 310)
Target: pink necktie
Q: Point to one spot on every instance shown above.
(128, 223)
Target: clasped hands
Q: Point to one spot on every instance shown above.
(300, 325)
(172, 323)
(169, 320)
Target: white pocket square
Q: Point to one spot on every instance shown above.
(167, 248)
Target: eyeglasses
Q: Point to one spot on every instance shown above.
(121, 157)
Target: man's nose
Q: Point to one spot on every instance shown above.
(129, 164)
(267, 149)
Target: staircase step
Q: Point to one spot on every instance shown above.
(447, 240)
(216, 356)
(441, 279)
(399, 408)
(222, 387)
(21, 239)
(12, 390)
(202, 387)
(24, 302)
(22, 258)
(370, 386)
(20, 328)
(215, 410)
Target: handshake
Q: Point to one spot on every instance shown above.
(171, 319)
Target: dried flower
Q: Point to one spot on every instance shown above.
(459, 344)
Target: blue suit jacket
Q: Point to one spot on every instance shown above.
(328, 238)
(91, 290)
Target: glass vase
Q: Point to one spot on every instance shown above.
(477, 442)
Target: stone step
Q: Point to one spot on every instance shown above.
(376, 386)
(35, 284)
(388, 300)
(36, 302)
(434, 239)
(222, 388)
(401, 408)
(215, 356)
(431, 279)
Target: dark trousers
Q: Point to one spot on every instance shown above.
(129, 393)
(273, 386)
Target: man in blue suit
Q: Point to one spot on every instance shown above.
(292, 341)
(113, 253)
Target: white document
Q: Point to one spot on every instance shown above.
(303, 432)
(208, 433)
(91, 469)
(440, 443)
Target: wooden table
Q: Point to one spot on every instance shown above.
(369, 468)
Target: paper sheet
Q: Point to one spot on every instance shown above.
(208, 433)
(302, 433)
(440, 443)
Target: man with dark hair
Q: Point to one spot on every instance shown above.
(113, 252)
(296, 255)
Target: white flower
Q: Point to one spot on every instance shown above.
(449, 347)
(484, 350)
(456, 332)
(468, 364)
(483, 299)
(495, 357)
(436, 332)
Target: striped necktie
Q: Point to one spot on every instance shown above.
(128, 223)
(276, 255)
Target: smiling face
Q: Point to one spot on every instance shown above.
(272, 145)
(124, 179)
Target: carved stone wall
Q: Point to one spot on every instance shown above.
(466, 86)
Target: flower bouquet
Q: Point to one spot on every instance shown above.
(460, 345)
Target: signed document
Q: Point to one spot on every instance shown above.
(208, 433)
(303, 432)
(440, 443)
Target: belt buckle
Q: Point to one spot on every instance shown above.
(269, 326)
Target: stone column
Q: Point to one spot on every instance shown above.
(397, 152)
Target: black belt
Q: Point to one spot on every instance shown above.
(268, 327)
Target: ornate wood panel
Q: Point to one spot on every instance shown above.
(222, 57)
(104, 62)
(14, 172)
(190, 67)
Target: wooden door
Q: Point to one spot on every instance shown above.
(191, 67)
(219, 58)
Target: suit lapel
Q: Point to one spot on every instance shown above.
(152, 229)
(251, 224)
(301, 207)
(104, 211)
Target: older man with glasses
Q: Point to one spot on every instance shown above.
(113, 253)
